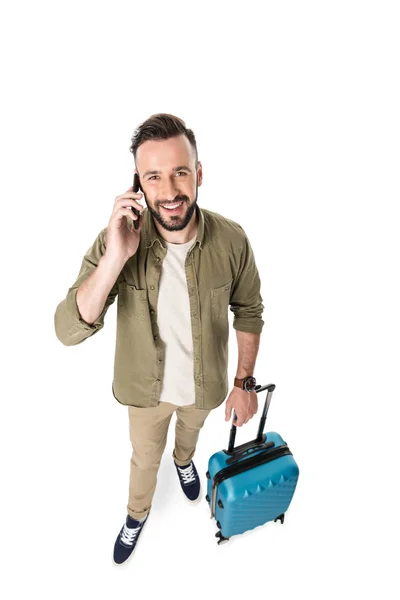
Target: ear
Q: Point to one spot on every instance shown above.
(199, 173)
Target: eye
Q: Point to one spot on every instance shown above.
(182, 172)
(153, 176)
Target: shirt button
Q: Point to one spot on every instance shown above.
(152, 311)
(152, 287)
(159, 360)
(156, 337)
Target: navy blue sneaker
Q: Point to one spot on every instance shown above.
(190, 480)
(127, 538)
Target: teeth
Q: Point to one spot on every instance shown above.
(171, 206)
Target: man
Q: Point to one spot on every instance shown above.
(175, 277)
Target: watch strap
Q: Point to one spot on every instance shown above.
(239, 382)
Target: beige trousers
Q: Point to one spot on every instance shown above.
(148, 429)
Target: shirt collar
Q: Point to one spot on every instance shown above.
(151, 233)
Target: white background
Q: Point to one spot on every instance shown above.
(295, 106)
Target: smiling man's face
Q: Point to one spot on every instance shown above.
(168, 176)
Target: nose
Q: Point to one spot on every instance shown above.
(168, 191)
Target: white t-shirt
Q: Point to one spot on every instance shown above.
(175, 327)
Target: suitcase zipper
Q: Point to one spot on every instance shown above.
(245, 465)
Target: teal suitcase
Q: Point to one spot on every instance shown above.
(251, 484)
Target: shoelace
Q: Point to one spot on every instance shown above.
(187, 474)
(128, 534)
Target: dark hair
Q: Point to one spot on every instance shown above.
(161, 126)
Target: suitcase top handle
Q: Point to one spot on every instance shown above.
(260, 437)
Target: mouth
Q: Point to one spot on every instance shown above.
(177, 207)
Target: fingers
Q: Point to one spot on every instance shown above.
(241, 419)
(228, 414)
(250, 415)
(126, 200)
(128, 195)
(118, 217)
(244, 411)
(126, 211)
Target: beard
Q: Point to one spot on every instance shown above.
(177, 224)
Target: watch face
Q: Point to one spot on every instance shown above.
(250, 384)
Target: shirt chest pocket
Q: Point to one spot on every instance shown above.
(220, 301)
(132, 302)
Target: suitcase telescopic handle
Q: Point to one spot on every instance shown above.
(259, 439)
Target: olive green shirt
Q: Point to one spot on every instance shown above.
(221, 273)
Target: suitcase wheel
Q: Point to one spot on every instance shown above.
(222, 539)
(208, 475)
(281, 518)
(208, 498)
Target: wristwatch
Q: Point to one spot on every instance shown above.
(247, 383)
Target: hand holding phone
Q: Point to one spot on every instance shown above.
(123, 239)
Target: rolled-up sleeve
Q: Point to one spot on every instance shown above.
(246, 301)
(70, 328)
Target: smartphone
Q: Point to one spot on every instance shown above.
(136, 188)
